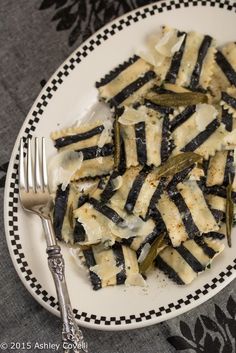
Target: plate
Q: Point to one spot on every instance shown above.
(69, 96)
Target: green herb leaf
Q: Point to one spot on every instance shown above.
(156, 247)
(229, 212)
(177, 99)
(71, 215)
(117, 143)
(177, 163)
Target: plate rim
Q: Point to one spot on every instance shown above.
(10, 207)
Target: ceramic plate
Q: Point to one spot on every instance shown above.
(69, 96)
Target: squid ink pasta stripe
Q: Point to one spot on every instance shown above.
(178, 178)
(214, 235)
(182, 117)
(169, 271)
(90, 261)
(156, 195)
(187, 219)
(106, 211)
(135, 190)
(114, 73)
(150, 238)
(95, 151)
(227, 120)
(207, 250)
(157, 218)
(165, 148)
(122, 162)
(160, 89)
(140, 135)
(216, 190)
(205, 165)
(176, 62)
(190, 259)
(60, 209)
(229, 168)
(109, 191)
(159, 108)
(120, 263)
(226, 67)
(131, 88)
(202, 137)
(218, 215)
(205, 45)
(68, 140)
(127, 241)
(203, 188)
(229, 100)
(79, 232)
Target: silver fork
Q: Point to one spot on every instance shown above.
(35, 197)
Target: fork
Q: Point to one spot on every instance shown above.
(35, 197)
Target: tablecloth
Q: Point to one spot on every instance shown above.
(35, 38)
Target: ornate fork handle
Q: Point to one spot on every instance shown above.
(72, 336)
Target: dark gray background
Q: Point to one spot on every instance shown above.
(31, 49)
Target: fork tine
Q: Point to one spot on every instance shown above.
(29, 167)
(44, 166)
(37, 172)
(22, 181)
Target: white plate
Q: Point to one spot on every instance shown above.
(66, 98)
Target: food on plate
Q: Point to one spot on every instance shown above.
(153, 188)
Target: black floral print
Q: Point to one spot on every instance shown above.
(208, 335)
(3, 172)
(84, 17)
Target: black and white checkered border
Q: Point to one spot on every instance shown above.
(37, 113)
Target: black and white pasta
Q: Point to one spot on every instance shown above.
(183, 220)
(224, 70)
(182, 264)
(127, 83)
(146, 141)
(113, 266)
(92, 144)
(184, 59)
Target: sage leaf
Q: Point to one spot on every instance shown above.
(229, 213)
(117, 143)
(156, 247)
(177, 163)
(177, 99)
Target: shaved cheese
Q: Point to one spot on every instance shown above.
(149, 54)
(178, 44)
(131, 227)
(144, 252)
(205, 113)
(106, 270)
(86, 186)
(135, 279)
(133, 116)
(62, 167)
(77, 255)
(105, 136)
(117, 182)
(169, 43)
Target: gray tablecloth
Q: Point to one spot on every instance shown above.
(32, 46)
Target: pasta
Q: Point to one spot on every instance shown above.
(160, 172)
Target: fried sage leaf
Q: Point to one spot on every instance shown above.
(71, 216)
(117, 142)
(177, 99)
(229, 213)
(155, 248)
(177, 163)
